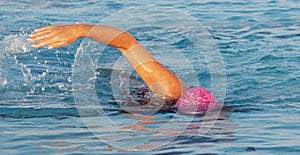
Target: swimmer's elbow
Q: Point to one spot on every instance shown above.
(124, 42)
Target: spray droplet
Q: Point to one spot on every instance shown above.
(69, 79)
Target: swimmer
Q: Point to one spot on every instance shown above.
(159, 79)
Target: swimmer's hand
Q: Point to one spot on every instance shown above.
(56, 36)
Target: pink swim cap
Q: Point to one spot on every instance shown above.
(195, 101)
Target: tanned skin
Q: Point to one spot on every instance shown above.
(159, 79)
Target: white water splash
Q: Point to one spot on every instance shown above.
(13, 44)
(3, 78)
(22, 70)
(9, 47)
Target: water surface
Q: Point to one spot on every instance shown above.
(259, 43)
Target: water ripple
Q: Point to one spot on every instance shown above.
(259, 42)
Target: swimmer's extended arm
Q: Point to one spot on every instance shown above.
(157, 77)
(59, 36)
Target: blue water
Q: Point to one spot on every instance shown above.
(259, 42)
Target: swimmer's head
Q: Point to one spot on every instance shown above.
(195, 101)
